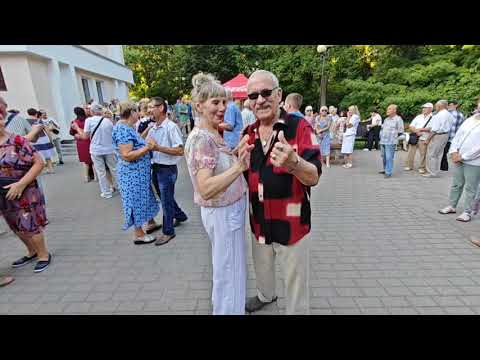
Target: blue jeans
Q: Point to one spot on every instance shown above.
(388, 154)
(166, 176)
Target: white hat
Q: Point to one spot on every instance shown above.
(308, 108)
(427, 105)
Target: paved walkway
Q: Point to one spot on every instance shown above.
(379, 247)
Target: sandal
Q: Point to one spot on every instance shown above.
(147, 239)
(6, 281)
(153, 229)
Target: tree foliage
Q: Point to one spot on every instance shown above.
(364, 75)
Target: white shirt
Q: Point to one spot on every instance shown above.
(419, 122)
(166, 134)
(467, 141)
(376, 120)
(101, 143)
(441, 122)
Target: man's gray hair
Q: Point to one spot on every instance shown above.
(442, 102)
(96, 108)
(267, 74)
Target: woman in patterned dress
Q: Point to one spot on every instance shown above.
(134, 175)
(22, 203)
(322, 129)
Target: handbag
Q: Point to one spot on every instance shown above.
(413, 139)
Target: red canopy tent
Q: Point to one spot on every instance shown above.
(238, 87)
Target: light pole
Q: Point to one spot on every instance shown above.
(323, 51)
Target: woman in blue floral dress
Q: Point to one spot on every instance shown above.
(134, 175)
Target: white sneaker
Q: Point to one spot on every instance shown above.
(447, 210)
(407, 169)
(421, 171)
(366, 149)
(106, 196)
(464, 217)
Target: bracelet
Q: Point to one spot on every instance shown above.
(291, 170)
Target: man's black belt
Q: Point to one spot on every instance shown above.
(162, 166)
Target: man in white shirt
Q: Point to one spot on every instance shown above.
(247, 114)
(439, 127)
(166, 154)
(99, 129)
(418, 126)
(465, 153)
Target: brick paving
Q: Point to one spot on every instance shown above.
(421, 263)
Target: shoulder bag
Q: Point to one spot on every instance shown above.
(413, 139)
(96, 127)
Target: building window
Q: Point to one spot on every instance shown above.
(3, 86)
(86, 90)
(99, 92)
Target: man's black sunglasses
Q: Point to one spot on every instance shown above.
(265, 94)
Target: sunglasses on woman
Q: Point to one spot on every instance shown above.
(265, 94)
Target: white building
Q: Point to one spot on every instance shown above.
(59, 77)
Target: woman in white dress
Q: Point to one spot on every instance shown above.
(348, 143)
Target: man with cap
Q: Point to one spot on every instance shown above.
(99, 130)
(419, 127)
(457, 122)
(439, 126)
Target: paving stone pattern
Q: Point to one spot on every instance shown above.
(378, 247)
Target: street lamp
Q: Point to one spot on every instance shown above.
(323, 51)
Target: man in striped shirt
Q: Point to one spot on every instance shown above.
(457, 122)
(17, 124)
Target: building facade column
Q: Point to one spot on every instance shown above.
(75, 86)
(57, 97)
(115, 89)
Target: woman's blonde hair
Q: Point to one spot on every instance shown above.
(354, 110)
(143, 104)
(205, 86)
(125, 109)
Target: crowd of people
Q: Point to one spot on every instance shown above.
(440, 131)
(263, 155)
